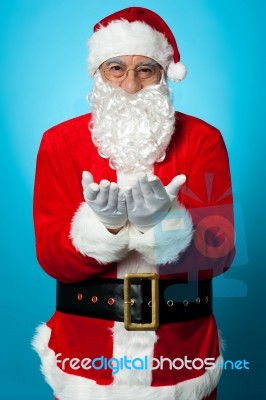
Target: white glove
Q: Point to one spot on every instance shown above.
(148, 201)
(175, 185)
(106, 201)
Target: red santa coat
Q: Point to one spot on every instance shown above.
(72, 245)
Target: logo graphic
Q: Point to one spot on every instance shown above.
(212, 249)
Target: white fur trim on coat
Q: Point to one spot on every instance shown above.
(165, 241)
(90, 237)
(72, 387)
(134, 344)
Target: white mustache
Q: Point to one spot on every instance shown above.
(132, 130)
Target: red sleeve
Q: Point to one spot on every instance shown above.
(57, 196)
(208, 197)
(199, 152)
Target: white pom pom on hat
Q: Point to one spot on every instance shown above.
(176, 71)
(135, 31)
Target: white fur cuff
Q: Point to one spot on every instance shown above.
(90, 237)
(165, 241)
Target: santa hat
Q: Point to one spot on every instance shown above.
(135, 31)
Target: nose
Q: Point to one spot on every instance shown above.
(131, 83)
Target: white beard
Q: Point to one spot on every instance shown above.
(132, 130)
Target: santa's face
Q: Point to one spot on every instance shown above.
(131, 73)
(132, 115)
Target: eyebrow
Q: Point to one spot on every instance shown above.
(148, 64)
(115, 60)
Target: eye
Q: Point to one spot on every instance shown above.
(116, 70)
(145, 72)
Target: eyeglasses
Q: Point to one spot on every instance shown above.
(117, 72)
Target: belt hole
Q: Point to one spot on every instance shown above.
(80, 296)
(110, 301)
(94, 299)
(197, 300)
(185, 302)
(206, 299)
(150, 303)
(170, 303)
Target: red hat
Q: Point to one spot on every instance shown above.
(135, 31)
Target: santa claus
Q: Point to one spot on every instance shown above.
(133, 255)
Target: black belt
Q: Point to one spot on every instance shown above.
(136, 299)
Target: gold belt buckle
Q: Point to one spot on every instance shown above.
(128, 302)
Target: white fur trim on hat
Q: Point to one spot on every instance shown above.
(121, 37)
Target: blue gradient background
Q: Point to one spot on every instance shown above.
(44, 81)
